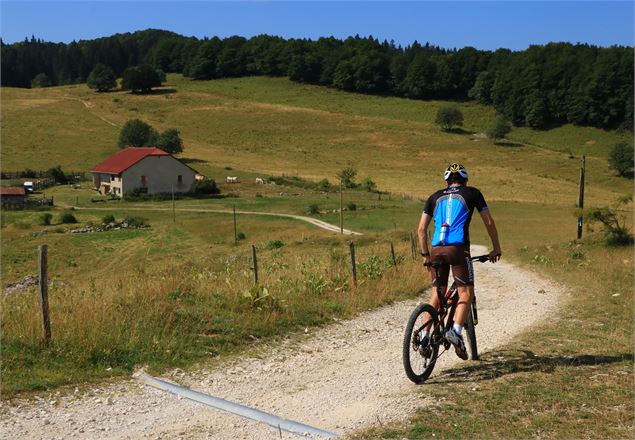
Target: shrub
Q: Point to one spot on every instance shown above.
(28, 173)
(241, 236)
(58, 175)
(275, 244)
(499, 129)
(448, 117)
(369, 185)
(135, 222)
(68, 217)
(108, 219)
(621, 158)
(348, 177)
(324, 185)
(45, 219)
(130, 196)
(351, 206)
(40, 80)
(313, 209)
(206, 186)
(616, 232)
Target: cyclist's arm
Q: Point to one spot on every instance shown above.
(422, 232)
(493, 234)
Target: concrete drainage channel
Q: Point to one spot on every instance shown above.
(257, 415)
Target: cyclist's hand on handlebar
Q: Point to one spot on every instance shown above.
(495, 255)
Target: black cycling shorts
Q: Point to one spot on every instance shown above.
(458, 257)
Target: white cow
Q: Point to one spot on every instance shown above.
(260, 181)
(232, 179)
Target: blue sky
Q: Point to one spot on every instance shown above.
(484, 25)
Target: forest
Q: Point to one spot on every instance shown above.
(540, 87)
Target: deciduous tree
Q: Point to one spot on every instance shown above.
(101, 78)
(136, 133)
(448, 117)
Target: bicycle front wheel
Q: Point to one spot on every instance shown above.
(470, 332)
(419, 357)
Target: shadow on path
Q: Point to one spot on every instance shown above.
(495, 364)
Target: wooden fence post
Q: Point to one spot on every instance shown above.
(43, 291)
(415, 244)
(392, 253)
(255, 263)
(413, 249)
(351, 247)
(341, 209)
(235, 229)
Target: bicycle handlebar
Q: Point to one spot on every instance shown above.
(479, 258)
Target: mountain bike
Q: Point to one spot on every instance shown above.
(419, 359)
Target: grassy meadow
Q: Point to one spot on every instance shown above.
(181, 292)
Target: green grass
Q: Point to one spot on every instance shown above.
(309, 131)
(570, 377)
(181, 293)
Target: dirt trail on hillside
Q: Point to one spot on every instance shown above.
(319, 223)
(338, 378)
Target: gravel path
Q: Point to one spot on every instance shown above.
(319, 223)
(338, 378)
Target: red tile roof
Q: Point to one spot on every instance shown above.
(126, 158)
(12, 191)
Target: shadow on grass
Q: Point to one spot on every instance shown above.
(165, 91)
(509, 144)
(191, 160)
(458, 130)
(495, 364)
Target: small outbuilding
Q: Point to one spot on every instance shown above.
(13, 194)
(148, 169)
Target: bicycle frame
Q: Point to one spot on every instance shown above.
(449, 300)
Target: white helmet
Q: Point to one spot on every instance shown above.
(455, 168)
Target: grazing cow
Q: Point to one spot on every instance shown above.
(260, 181)
(232, 179)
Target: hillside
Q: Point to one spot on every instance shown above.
(308, 131)
(181, 293)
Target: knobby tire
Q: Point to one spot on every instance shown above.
(419, 367)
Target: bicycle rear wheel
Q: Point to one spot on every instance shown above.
(470, 333)
(419, 359)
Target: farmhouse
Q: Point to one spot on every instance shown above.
(149, 169)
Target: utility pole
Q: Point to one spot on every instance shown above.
(581, 196)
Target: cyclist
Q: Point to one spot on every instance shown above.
(452, 208)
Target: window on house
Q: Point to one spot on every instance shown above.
(179, 178)
(143, 181)
(112, 177)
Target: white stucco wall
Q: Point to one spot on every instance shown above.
(112, 180)
(161, 175)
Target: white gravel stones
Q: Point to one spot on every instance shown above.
(338, 378)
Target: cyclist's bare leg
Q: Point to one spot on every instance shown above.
(466, 293)
(434, 302)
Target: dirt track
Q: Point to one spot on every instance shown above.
(319, 223)
(338, 378)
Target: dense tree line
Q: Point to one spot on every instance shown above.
(538, 87)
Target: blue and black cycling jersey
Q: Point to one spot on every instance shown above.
(452, 208)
